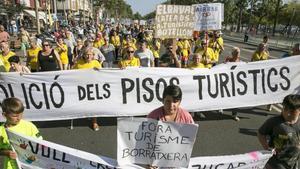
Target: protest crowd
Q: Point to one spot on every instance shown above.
(117, 45)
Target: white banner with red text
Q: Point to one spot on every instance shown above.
(75, 94)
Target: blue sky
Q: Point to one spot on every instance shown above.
(143, 6)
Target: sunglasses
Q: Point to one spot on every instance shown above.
(130, 51)
(46, 45)
(169, 48)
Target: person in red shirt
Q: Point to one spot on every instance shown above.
(4, 36)
(171, 110)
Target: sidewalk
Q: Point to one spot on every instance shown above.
(275, 43)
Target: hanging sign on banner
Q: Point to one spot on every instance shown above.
(157, 143)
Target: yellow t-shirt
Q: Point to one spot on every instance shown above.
(115, 40)
(81, 64)
(24, 127)
(134, 62)
(210, 54)
(98, 43)
(257, 57)
(184, 47)
(155, 52)
(199, 65)
(33, 56)
(5, 60)
(63, 54)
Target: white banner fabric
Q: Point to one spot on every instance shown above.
(40, 154)
(157, 143)
(209, 16)
(256, 159)
(137, 91)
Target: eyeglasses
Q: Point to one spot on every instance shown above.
(130, 51)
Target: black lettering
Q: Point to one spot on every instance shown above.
(218, 165)
(174, 79)
(5, 91)
(34, 150)
(11, 90)
(40, 104)
(283, 76)
(232, 83)
(151, 93)
(61, 92)
(263, 80)
(254, 73)
(157, 87)
(45, 96)
(64, 158)
(138, 91)
(106, 88)
(81, 92)
(199, 78)
(213, 95)
(241, 81)
(89, 92)
(275, 87)
(44, 152)
(54, 155)
(224, 79)
(126, 89)
(25, 96)
(98, 97)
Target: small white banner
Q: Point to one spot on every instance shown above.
(74, 94)
(157, 143)
(208, 16)
(174, 21)
(256, 160)
(34, 153)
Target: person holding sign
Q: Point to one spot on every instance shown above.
(282, 133)
(171, 110)
(13, 109)
(88, 62)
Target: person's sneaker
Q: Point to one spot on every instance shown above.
(236, 118)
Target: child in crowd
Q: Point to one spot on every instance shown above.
(12, 110)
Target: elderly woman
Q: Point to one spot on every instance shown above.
(88, 62)
(197, 61)
(129, 60)
(261, 53)
(171, 110)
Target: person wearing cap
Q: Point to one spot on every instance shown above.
(144, 54)
(171, 58)
(108, 51)
(16, 65)
(32, 55)
(5, 55)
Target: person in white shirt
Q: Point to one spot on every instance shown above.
(144, 54)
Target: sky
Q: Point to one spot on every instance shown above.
(143, 6)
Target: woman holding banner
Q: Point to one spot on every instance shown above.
(88, 62)
(171, 110)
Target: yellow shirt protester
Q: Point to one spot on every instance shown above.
(134, 62)
(23, 127)
(5, 60)
(33, 57)
(260, 56)
(184, 46)
(115, 40)
(63, 54)
(81, 64)
(208, 55)
(194, 65)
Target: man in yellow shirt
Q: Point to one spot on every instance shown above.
(32, 55)
(261, 53)
(13, 109)
(5, 55)
(208, 54)
(116, 41)
(185, 49)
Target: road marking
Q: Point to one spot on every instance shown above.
(247, 50)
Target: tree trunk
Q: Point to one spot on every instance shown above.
(239, 20)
